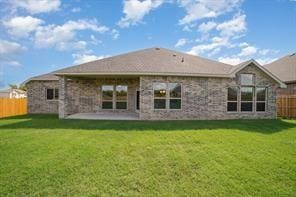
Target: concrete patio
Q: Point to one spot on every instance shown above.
(105, 116)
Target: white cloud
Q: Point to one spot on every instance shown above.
(37, 6)
(265, 60)
(215, 44)
(83, 58)
(54, 35)
(94, 40)
(198, 9)
(234, 26)
(68, 46)
(248, 51)
(181, 42)
(135, 10)
(231, 60)
(8, 50)
(22, 26)
(115, 34)
(75, 10)
(11, 63)
(205, 27)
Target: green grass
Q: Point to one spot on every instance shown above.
(41, 155)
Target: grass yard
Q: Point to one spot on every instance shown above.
(41, 155)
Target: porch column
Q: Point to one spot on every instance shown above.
(62, 97)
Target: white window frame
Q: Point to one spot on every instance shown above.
(54, 94)
(114, 97)
(237, 99)
(265, 101)
(241, 76)
(104, 100)
(253, 99)
(126, 100)
(167, 97)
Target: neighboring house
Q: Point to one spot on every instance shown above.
(157, 84)
(13, 93)
(285, 69)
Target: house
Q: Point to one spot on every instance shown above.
(157, 84)
(285, 69)
(13, 93)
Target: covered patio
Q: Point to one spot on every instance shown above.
(107, 115)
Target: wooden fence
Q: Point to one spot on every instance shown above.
(286, 106)
(12, 107)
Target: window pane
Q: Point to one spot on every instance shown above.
(49, 94)
(175, 90)
(247, 94)
(56, 93)
(107, 105)
(261, 94)
(121, 92)
(247, 79)
(232, 106)
(260, 106)
(232, 94)
(121, 105)
(159, 103)
(107, 92)
(175, 103)
(247, 106)
(159, 89)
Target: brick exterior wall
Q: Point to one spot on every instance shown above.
(202, 98)
(85, 95)
(36, 95)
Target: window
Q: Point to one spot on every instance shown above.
(246, 79)
(56, 93)
(175, 95)
(52, 93)
(111, 100)
(232, 99)
(107, 98)
(260, 99)
(121, 97)
(167, 95)
(159, 95)
(247, 94)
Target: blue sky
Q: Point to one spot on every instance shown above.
(39, 36)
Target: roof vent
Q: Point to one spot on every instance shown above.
(157, 48)
(174, 55)
(182, 59)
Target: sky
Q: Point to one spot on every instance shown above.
(40, 36)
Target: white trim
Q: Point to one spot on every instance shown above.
(247, 63)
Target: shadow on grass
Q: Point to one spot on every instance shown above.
(52, 122)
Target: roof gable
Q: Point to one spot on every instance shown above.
(242, 65)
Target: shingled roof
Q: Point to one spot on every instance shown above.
(151, 61)
(284, 68)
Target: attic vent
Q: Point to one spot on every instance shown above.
(174, 55)
(157, 48)
(182, 59)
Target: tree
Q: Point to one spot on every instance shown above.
(13, 86)
(21, 87)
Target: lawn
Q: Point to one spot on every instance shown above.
(42, 155)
